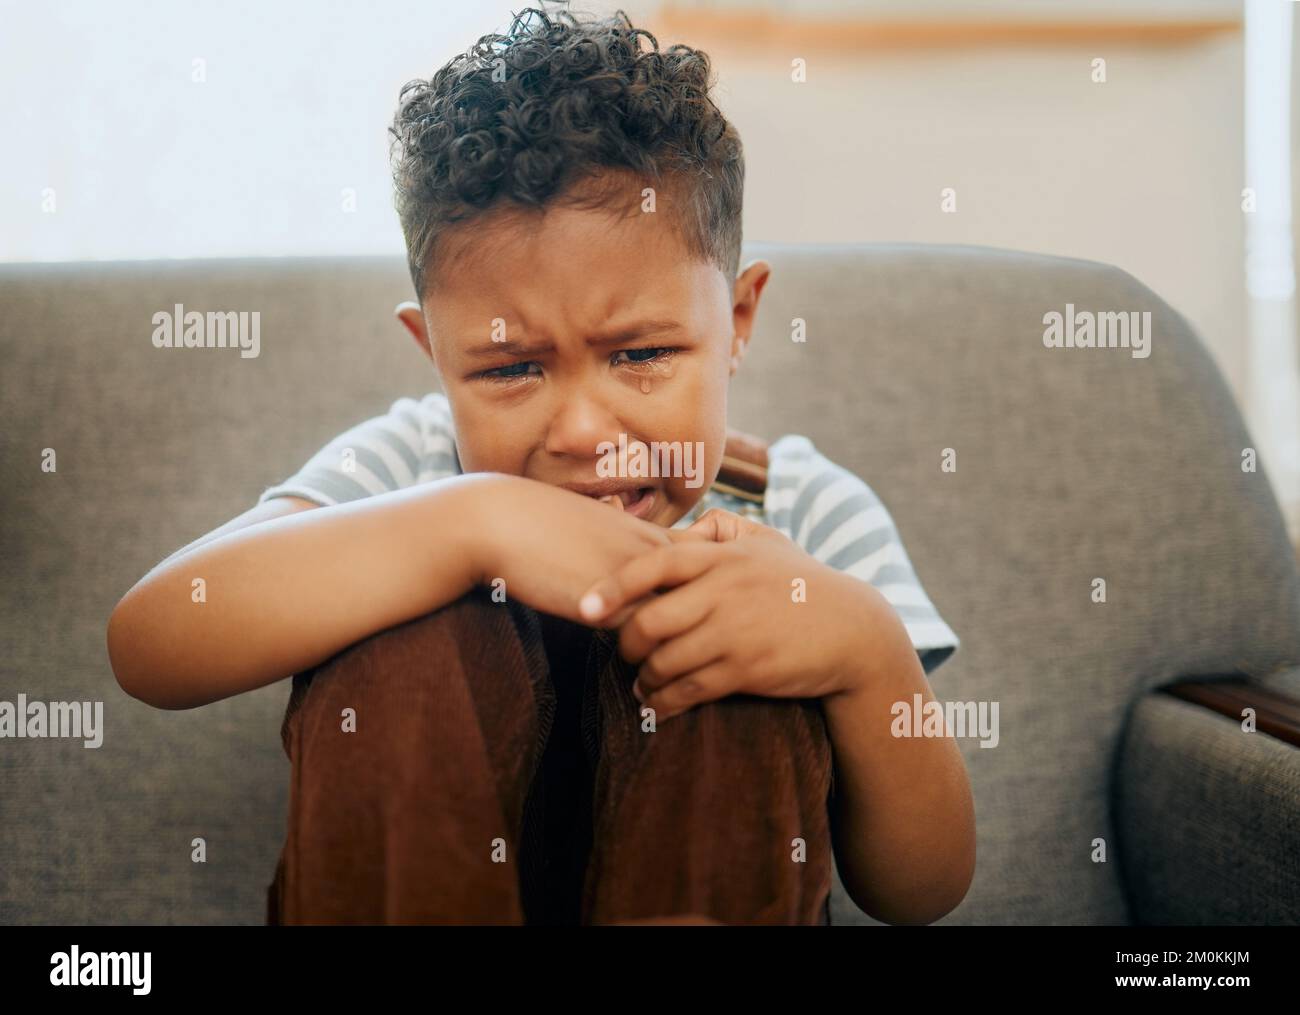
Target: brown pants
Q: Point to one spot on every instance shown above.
(488, 764)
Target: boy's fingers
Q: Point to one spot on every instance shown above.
(721, 526)
(707, 526)
(675, 639)
(694, 534)
(709, 683)
(620, 616)
(678, 616)
(664, 566)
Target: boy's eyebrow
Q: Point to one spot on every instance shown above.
(627, 333)
(507, 348)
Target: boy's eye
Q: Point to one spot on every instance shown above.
(509, 373)
(647, 355)
(517, 371)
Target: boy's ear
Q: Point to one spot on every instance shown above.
(412, 317)
(744, 308)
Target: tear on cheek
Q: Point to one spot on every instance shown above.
(653, 372)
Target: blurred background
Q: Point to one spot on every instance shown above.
(1156, 136)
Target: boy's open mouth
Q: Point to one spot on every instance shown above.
(635, 500)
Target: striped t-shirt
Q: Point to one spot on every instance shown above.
(825, 509)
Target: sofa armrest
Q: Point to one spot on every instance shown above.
(1207, 815)
(1277, 712)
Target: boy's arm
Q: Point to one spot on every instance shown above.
(286, 593)
(902, 816)
(276, 507)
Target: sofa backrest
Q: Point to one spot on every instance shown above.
(1071, 465)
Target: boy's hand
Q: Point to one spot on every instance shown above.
(720, 526)
(550, 544)
(746, 612)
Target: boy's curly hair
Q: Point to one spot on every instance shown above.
(519, 118)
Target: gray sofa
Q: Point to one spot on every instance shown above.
(1072, 464)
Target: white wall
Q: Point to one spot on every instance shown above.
(1144, 171)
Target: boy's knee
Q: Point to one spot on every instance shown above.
(419, 681)
(469, 628)
(462, 622)
(433, 666)
(783, 743)
(750, 726)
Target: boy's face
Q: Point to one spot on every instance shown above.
(556, 332)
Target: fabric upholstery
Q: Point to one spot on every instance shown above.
(1072, 464)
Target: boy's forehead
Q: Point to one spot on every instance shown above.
(567, 267)
(554, 243)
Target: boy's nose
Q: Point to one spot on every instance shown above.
(578, 426)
